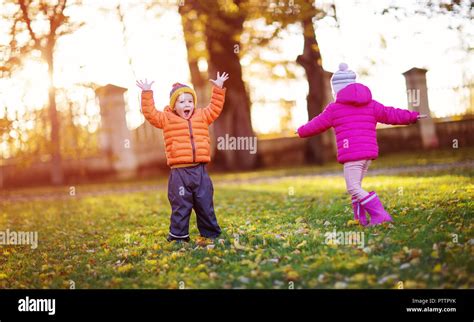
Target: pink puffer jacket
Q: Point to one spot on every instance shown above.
(354, 116)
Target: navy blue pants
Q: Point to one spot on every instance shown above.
(190, 188)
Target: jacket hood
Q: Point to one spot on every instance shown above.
(354, 94)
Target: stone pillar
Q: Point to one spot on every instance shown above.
(115, 137)
(417, 95)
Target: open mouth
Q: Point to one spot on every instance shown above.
(187, 112)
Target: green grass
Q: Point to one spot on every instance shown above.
(273, 237)
(405, 159)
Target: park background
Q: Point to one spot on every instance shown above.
(81, 167)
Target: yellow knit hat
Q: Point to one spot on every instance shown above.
(179, 89)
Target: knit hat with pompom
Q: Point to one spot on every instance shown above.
(179, 89)
(342, 78)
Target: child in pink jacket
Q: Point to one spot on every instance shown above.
(354, 116)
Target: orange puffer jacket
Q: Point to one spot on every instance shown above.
(187, 141)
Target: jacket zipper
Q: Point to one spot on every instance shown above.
(192, 140)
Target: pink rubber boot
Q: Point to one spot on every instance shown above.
(374, 207)
(359, 212)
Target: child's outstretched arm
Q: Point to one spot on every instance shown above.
(317, 125)
(214, 109)
(156, 118)
(395, 116)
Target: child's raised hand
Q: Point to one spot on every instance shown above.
(220, 79)
(421, 116)
(145, 86)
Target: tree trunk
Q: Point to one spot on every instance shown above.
(222, 32)
(199, 81)
(56, 166)
(311, 61)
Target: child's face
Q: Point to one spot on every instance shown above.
(184, 105)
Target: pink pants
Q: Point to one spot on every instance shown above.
(354, 172)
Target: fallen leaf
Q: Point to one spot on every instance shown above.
(125, 268)
(244, 279)
(404, 265)
(352, 222)
(359, 277)
(151, 262)
(437, 268)
(292, 275)
(340, 285)
(388, 278)
(203, 242)
(237, 245)
(303, 243)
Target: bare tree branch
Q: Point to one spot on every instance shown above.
(24, 9)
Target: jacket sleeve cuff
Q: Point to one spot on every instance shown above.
(300, 131)
(147, 93)
(219, 90)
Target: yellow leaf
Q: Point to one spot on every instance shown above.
(201, 267)
(3, 276)
(238, 246)
(175, 255)
(437, 268)
(359, 277)
(301, 244)
(292, 275)
(411, 284)
(362, 260)
(352, 222)
(125, 268)
(151, 262)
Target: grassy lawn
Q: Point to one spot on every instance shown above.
(274, 236)
(405, 159)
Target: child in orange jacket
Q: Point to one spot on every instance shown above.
(186, 134)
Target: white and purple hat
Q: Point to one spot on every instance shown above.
(342, 78)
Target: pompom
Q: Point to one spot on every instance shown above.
(343, 66)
